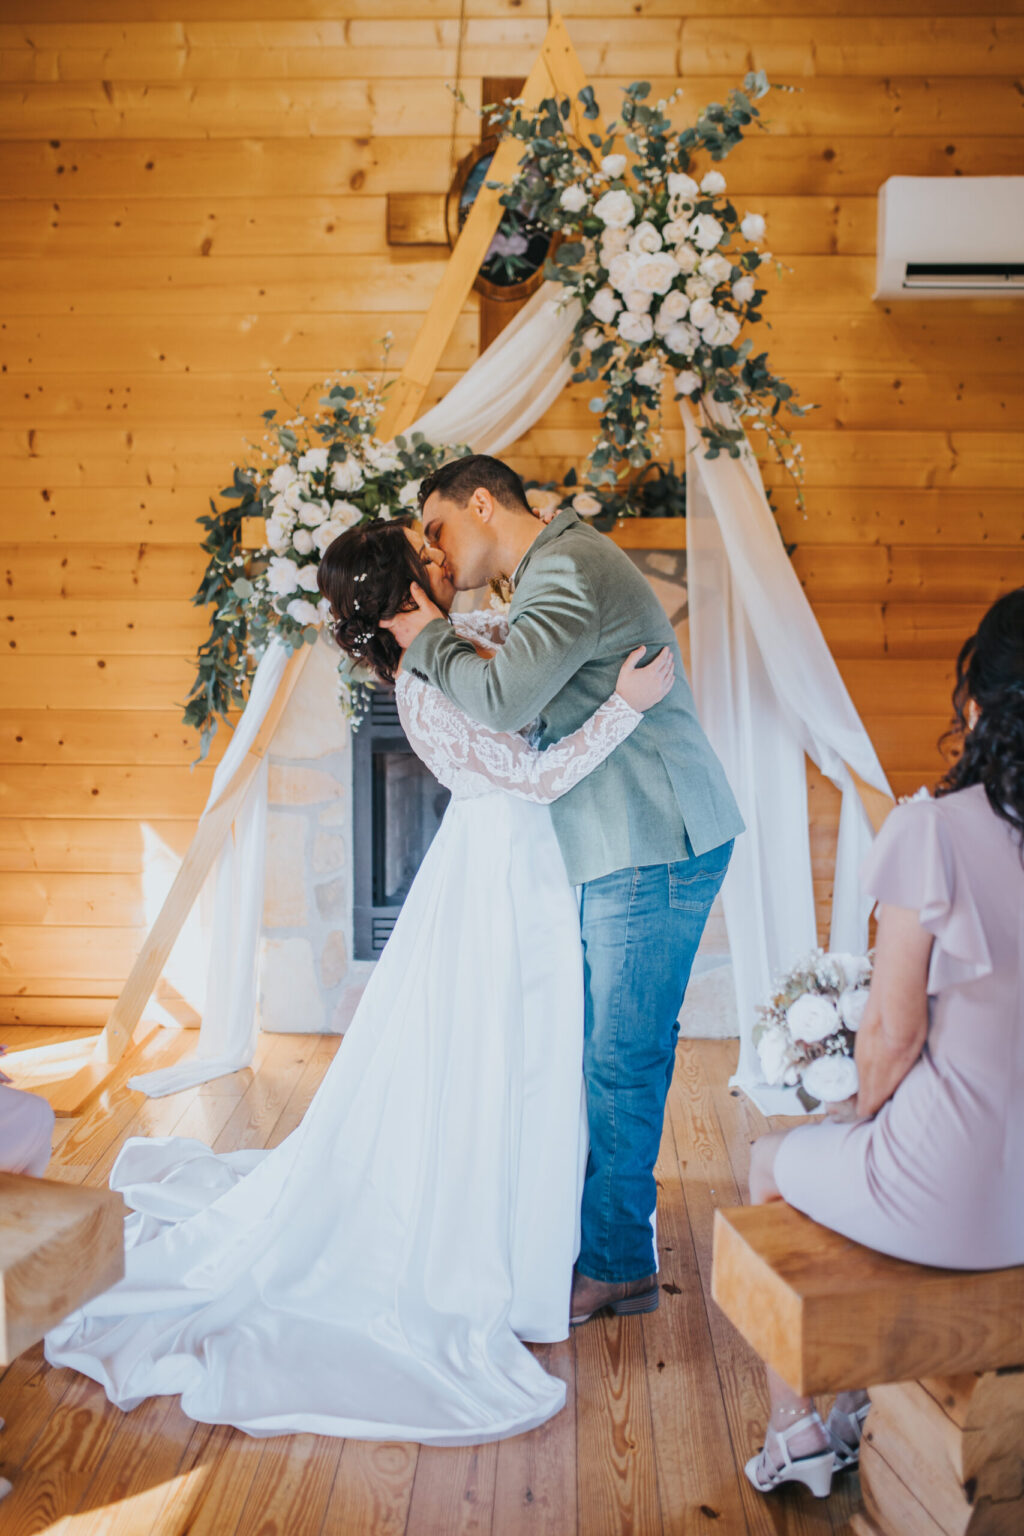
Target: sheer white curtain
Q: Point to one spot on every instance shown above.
(506, 390)
(768, 692)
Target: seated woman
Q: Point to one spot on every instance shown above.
(927, 1162)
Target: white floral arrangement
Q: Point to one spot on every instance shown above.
(312, 478)
(668, 271)
(805, 1035)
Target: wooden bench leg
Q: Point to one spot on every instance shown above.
(945, 1457)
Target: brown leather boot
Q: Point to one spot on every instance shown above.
(622, 1296)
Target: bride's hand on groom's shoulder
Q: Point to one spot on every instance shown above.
(407, 625)
(643, 687)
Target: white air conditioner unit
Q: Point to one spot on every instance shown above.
(950, 237)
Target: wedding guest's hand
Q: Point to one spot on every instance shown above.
(844, 1110)
(643, 687)
(406, 626)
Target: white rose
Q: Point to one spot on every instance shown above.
(592, 339)
(637, 301)
(277, 535)
(409, 493)
(854, 969)
(706, 231)
(812, 1017)
(303, 612)
(683, 338)
(712, 183)
(702, 313)
(686, 257)
(621, 270)
(313, 513)
(680, 185)
(656, 273)
(573, 199)
(773, 1052)
(293, 495)
(699, 287)
(852, 1003)
(282, 477)
(672, 307)
(347, 475)
(605, 305)
(326, 534)
(313, 461)
(382, 459)
(635, 328)
(688, 382)
(615, 209)
(675, 231)
(743, 290)
(717, 268)
(280, 509)
(724, 331)
(650, 374)
(645, 239)
(302, 541)
(346, 514)
(585, 504)
(307, 578)
(831, 1079)
(764, 258)
(752, 225)
(612, 242)
(282, 576)
(613, 166)
(323, 609)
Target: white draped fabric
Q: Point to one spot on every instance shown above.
(768, 691)
(506, 390)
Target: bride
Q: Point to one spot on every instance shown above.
(373, 1276)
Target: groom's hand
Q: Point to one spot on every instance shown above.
(406, 626)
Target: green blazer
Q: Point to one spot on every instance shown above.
(580, 607)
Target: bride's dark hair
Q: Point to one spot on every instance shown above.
(990, 670)
(365, 575)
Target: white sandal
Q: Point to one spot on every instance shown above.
(815, 1472)
(847, 1454)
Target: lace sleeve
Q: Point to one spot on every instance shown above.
(484, 626)
(452, 746)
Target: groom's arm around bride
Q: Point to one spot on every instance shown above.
(648, 835)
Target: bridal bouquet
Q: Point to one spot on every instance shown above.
(805, 1035)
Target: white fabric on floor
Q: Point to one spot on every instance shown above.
(768, 691)
(506, 390)
(372, 1275)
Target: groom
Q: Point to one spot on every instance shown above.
(647, 836)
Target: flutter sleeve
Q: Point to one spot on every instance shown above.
(914, 862)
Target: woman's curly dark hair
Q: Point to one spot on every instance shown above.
(990, 670)
(365, 575)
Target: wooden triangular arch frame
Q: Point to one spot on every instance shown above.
(557, 72)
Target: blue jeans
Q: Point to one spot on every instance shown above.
(641, 928)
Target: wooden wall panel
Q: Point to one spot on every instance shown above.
(192, 192)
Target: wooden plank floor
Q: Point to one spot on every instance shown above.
(662, 1411)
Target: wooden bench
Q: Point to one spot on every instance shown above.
(941, 1352)
(60, 1245)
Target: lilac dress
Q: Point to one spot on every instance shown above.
(937, 1175)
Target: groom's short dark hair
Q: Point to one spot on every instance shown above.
(459, 478)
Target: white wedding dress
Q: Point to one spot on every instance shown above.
(374, 1274)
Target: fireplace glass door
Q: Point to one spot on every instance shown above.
(397, 809)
